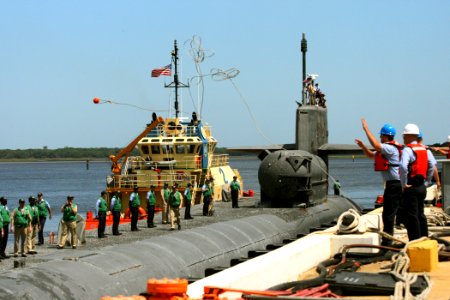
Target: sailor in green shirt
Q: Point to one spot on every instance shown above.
(116, 208)
(175, 202)
(69, 210)
(151, 202)
(165, 192)
(135, 202)
(235, 187)
(5, 214)
(101, 209)
(187, 202)
(20, 224)
(34, 214)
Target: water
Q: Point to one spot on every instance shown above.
(56, 180)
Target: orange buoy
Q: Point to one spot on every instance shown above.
(96, 100)
(167, 288)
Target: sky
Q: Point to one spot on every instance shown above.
(387, 61)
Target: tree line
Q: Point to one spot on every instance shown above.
(66, 153)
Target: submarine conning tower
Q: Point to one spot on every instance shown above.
(291, 177)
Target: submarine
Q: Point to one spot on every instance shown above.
(293, 201)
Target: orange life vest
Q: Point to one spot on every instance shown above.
(420, 165)
(381, 163)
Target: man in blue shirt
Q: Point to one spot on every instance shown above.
(387, 157)
(416, 167)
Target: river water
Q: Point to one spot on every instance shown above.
(56, 180)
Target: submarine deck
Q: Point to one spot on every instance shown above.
(248, 206)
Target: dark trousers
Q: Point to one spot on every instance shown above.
(4, 241)
(234, 199)
(392, 198)
(187, 209)
(413, 212)
(134, 211)
(150, 215)
(206, 201)
(116, 221)
(101, 224)
(41, 230)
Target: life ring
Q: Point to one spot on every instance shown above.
(142, 213)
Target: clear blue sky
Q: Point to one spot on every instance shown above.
(387, 61)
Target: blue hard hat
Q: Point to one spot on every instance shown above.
(387, 129)
(420, 135)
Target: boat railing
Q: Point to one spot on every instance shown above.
(220, 160)
(146, 180)
(186, 130)
(188, 162)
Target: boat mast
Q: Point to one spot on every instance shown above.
(304, 48)
(176, 83)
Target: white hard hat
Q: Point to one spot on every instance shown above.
(448, 139)
(411, 129)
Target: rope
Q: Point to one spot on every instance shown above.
(401, 263)
(350, 222)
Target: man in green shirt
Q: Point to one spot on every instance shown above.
(187, 202)
(116, 208)
(20, 223)
(134, 204)
(101, 209)
(34, 214)
(69, 210)
(5, 214)
(235, 187)
(175, 202)
(44, 211)
(151, 202)
(165, 192)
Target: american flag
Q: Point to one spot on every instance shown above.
(166, 71)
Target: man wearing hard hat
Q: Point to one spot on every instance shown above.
(387, 159)
(416, 165)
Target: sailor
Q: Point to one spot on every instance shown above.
(206, 190)
(416, 167)
(165, 192)
(1, 233)
(188, 202)
(135, 202)
(116, 208)
(20, 223)
(387, 159)
(337, 188)
(31, 235)
(44, 211)
(101, 208)
(5, 214)
(151, 202)
(175, 202)
(234, 190)
(69, 223)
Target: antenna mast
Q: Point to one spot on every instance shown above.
(304, 48)
(176, 83)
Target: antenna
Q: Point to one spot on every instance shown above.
(304, 48)
(176, 83)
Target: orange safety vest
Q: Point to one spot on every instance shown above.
(381, 163)
(420, 165)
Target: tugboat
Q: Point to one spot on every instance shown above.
(175, 150)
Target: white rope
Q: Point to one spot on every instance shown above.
(401, 264)
(356, 226)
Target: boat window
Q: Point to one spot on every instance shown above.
(179, 140)
(155, 140)
(156, 149)
(180, 149)
(167, 140)
(191, 148)
(167, 149)
(213, 146)
(145, 141)
(190, 140)
(144, 149)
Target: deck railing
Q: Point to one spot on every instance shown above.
(146, 180)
